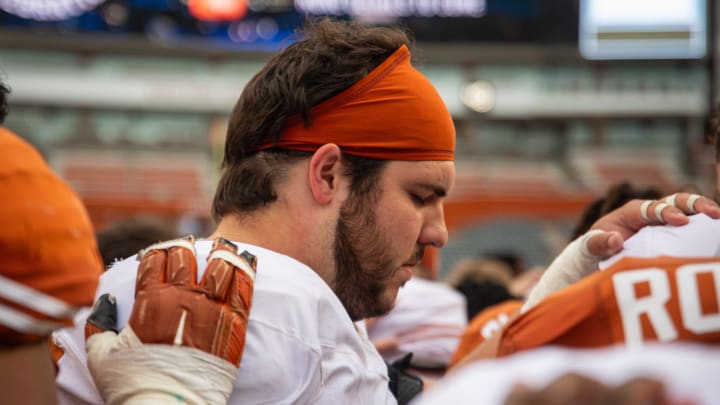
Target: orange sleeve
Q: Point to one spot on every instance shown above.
(475, 333)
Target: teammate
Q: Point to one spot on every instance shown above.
(640, 297)
(483, 326)
(427, 320)
(338, 157)
(49, 269)
(336, 211)
(661, 288)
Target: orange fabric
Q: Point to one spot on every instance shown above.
(47, 241)
(56, 352)
(492, 317)
(394, 113)
(606, 307)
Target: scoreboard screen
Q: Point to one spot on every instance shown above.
(270, 24)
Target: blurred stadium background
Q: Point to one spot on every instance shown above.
(553, 101)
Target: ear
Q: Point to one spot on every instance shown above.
(324, 172)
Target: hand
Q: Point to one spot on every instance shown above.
(625, 221)
(386, 344)
(196, 329)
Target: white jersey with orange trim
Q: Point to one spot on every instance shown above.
(301, 345)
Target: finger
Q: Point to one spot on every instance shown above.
(574, 388)
(698, 204)
(103, 316)
(241, 290)
(220, 270)
(181, 267)
(151, 272)
(605, 244)
(100, 345)
(666, 214)
(163, 262)
(625, 220)
(639, 391)
(690, 203)
(662, 212)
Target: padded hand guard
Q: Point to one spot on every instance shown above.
(172, 308)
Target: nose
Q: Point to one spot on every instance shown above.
(434, 231)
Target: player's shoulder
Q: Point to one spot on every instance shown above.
(700, 237)
(417, 290)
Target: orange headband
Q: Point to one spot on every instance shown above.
(394, 113)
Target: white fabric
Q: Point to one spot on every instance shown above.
(691, 202)
(658, 212)
(689, 371)
(71, 366)
(428, 320)
(187, 243)
(38, 301)
(301, 347)
(671, 200)
(699, 238)
(644, 209)
(571, 265)
(127, 372)
(21, 322)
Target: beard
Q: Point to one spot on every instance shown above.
(363, 260)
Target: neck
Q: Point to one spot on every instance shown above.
(253, 229)
(270, 229)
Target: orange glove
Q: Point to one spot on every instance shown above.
(184, 339)
(172, 308)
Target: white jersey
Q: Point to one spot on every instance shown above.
(301, 345)
(688, 370)
(699, 238)
(428, 319)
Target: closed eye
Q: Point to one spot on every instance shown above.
(420, 200)
(417, 199)
(426, 194)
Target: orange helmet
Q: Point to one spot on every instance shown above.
(50, 263)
